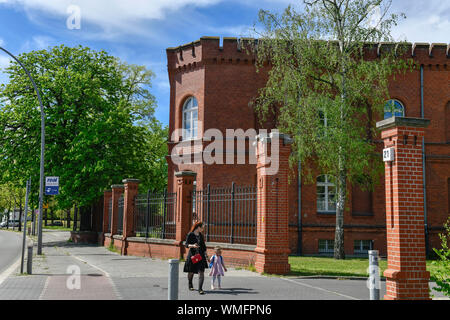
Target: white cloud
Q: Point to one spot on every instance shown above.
(39, 42)
(115, 16)
(4, 60)
(232, 31)
(427, 21)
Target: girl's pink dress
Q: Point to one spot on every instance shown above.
(217, 267)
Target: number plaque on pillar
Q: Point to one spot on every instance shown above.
(388, 154)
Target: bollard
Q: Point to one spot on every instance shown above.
(173, 279)
(30, 259)
(374, 275)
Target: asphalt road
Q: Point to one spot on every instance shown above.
(10, 249)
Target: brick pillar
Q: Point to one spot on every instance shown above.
(272, 245)
(107, 195)
(406, 276)
(184, 189)
(131, 191)
(117, 191)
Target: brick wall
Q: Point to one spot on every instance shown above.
(224, 81)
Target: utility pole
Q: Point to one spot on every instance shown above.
(25, 214)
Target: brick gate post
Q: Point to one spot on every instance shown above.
(406, 276)
(107, 195)
(131, 187)
(272, 246)
(117, 191)
(184, 188)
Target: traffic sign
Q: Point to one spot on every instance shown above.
(51, 191)
(51, 186)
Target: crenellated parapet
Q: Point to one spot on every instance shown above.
(208, 50)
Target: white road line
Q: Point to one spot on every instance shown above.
(93, 266)
(41, 296)
(321, 289)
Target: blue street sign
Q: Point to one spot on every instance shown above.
(52, 191)
(51, 186)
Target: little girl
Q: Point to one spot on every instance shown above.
(217, 267)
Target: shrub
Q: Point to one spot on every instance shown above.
(442, 273)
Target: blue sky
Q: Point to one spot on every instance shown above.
(139, 31)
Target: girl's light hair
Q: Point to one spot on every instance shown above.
(217, 248)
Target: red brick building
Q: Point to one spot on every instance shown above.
(211, 87)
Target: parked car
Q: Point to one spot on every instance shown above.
(10, 224)
(57, 223)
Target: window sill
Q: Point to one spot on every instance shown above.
(362, 214)
(326, 254)
(326, 213)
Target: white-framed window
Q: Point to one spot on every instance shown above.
(362, 246)
(190, 119)
(323, 118)
(326, 195)
(326, 246)
(324, 123)
(393, 108)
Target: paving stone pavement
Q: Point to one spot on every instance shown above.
(105, 275)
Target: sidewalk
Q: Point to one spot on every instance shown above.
(107, 275)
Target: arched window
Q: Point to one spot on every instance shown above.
(326, 195)
(190, 119)
(394, 108)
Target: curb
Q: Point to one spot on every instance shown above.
(332, 277)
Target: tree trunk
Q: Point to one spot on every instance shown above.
(341, 190)
(9, 215)
(68, 218)
(75, 218)
(341, 186)
(14, 218)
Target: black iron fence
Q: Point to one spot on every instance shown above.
(154, 215)
(229, 213)
(120, 215)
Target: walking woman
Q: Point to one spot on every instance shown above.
(196, 245)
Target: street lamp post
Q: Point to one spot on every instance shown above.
(41, 174)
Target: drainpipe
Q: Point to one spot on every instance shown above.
(299, 196)
(422, 114)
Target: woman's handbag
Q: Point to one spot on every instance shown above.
(196, 258)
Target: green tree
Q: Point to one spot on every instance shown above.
(442, 274)
(327, 94)
(12, 196)
(99, 122)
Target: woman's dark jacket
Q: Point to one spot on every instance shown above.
(199, 266)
